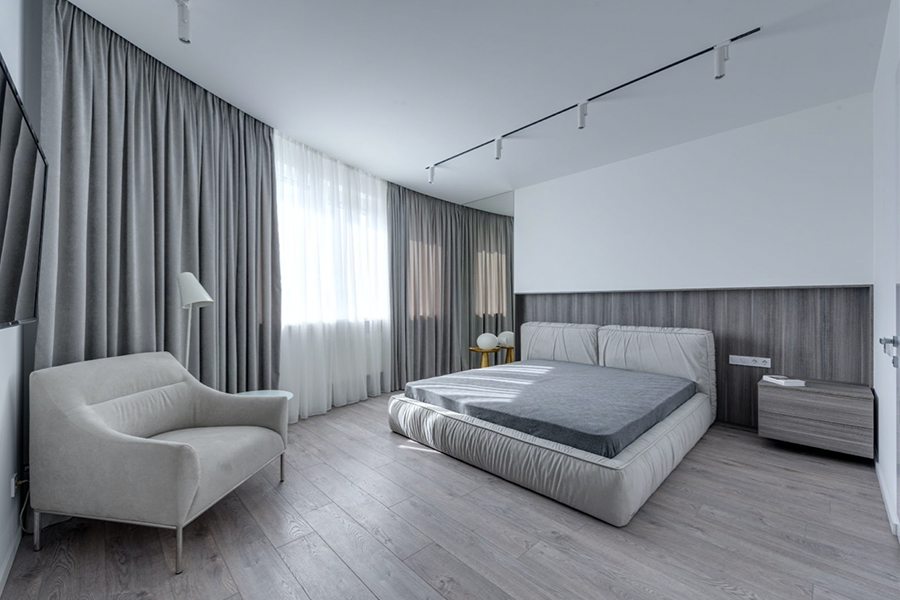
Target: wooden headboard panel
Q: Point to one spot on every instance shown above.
(810, 333)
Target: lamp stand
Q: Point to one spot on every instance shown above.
(187, 344)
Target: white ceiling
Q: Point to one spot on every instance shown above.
(392, 86)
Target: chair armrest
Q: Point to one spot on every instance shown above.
(80, 466)
(217, 409)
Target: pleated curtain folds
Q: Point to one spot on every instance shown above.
(451, 280)
(334, 258)
(151, 175)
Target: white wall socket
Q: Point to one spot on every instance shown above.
(12, 485)
(750, 361)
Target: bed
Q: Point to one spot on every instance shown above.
(467, 415)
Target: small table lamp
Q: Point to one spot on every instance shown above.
(192, 294)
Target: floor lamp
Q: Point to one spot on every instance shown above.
(192, 294)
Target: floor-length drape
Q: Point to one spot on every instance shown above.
(151, 175)
(451, 280)
(334, 257)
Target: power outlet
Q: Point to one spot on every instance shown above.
(750, 361)
(12, 485)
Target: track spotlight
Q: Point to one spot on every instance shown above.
(431, 174)
(720, 55)
(184, 21)
(498, 147)
(582, 114)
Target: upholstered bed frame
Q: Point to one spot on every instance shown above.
(611, 489)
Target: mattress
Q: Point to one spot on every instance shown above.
(599, 410)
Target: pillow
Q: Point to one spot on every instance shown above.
(560, 341)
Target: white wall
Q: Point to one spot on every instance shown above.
(10, 417)
(886, 104)
(12, 22)
(785, 202)
(502, 204)
(20, 46)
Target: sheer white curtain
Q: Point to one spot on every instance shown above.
(332, 223)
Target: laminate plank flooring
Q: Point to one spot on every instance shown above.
(296, 489)
(324, 574)
(274, 515)
(211, 578)
(382, 572)
(451, 577)
(367, 514)
(135, 565)
(255, 565)
(394, 533)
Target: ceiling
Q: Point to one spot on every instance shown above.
(393, 86)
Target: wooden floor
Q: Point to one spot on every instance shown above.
(367, 514)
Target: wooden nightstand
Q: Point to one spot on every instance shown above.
(832, 416)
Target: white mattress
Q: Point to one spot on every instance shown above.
(610, 489)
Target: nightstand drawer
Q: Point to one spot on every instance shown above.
(838, 437)
(816, 405)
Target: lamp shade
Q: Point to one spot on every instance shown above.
(487, 341)
(192, 293)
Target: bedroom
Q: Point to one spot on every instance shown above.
(311, 205)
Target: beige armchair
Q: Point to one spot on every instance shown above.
(137, 439)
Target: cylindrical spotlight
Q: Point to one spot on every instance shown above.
(431, 174)
(582, 114)
(720, 55)
(184, 21)
(498, 147)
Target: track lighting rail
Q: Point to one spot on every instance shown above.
(582, 105)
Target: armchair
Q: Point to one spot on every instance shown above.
(137, 439)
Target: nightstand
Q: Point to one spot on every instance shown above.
(831, 416)
(485, 362)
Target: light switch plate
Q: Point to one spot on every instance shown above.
(750, 361)
(12, 485)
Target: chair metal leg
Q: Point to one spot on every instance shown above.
(37, 531)
(179, 550)
(282, 468)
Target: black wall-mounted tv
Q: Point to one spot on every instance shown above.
(23, 185)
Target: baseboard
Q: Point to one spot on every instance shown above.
(889, 505)
(9, 555)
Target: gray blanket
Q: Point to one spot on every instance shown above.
(597, 409)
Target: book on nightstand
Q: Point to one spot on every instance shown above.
(784, 380)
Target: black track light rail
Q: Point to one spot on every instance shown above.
(598, 96)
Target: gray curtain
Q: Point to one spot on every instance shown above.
(151, 175)
(451, 280)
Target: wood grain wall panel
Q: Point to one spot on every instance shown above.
(811, 333)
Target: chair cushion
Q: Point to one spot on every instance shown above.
(228, 456)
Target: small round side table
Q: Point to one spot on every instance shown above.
(510, 354)
(293, 403)
(484, 354)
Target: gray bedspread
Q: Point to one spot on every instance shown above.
(597, 409)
